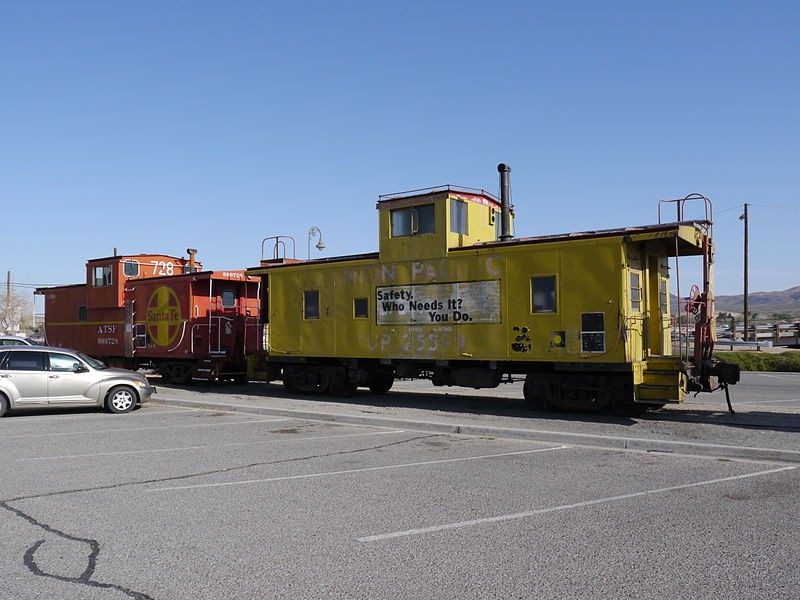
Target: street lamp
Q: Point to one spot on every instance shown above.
(746, 295)
(320, 244)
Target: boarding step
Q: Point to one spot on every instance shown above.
(206, 370)
(664, 363)
(656, 394)
(662, 380)
(656, 377)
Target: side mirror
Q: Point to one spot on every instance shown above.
(79, 368)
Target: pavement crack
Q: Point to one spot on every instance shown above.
(93, 546)
(216, 471)
(85, 578)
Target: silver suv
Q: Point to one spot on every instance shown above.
(42, 377)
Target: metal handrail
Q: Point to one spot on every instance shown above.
(680, 204)
(279, 243)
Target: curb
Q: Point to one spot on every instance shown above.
(577, 439)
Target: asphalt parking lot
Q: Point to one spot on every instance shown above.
(173, 502)
(765, 425)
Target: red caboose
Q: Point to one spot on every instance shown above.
(158, 311)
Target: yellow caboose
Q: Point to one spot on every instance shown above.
(454, 297)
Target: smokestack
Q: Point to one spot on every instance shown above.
(505, 202)
(192, 263)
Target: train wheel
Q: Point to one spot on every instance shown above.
(380, 383)
(344, 389)
(622, 403)
(176, 372)
(287, 383)
(535, 391)
(304, 380)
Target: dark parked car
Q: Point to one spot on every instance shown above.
(42, 377)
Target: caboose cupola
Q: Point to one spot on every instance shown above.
(427, 223)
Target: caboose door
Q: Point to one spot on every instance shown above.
(128, 334)
(636, 313)
(660, 333)
(223, 339)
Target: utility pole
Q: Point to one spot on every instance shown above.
(746, 299)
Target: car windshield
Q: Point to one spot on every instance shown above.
(95, 363)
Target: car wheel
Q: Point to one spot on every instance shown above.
(121, 399)
(3, 405)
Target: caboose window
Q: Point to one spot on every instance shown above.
(130, 268)
(228, 299)
(140, 335)
(102, 276)
(636, 291)
(413, 220)
(593, 334)
(458, 216)
(83, 313)
(311, 304)
(543, 294)
(664, 297)
(360, 308)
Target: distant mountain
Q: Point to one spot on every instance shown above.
(787, 301)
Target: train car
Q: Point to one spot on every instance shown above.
(454, 297)
(161, 312)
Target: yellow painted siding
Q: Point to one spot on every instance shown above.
(490, 286)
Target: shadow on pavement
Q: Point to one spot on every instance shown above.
(462, 403)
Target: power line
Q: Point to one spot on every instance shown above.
(741, 206)
(34, 285)
(738, 206)
(775, 207)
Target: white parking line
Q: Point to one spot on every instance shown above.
(163, 411)
(771, 401)
(193, 448)
(789, 376)
(38, 417)
(541, 511)
(103, 431)
(351, 471)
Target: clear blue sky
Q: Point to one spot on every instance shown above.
(153, 126)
